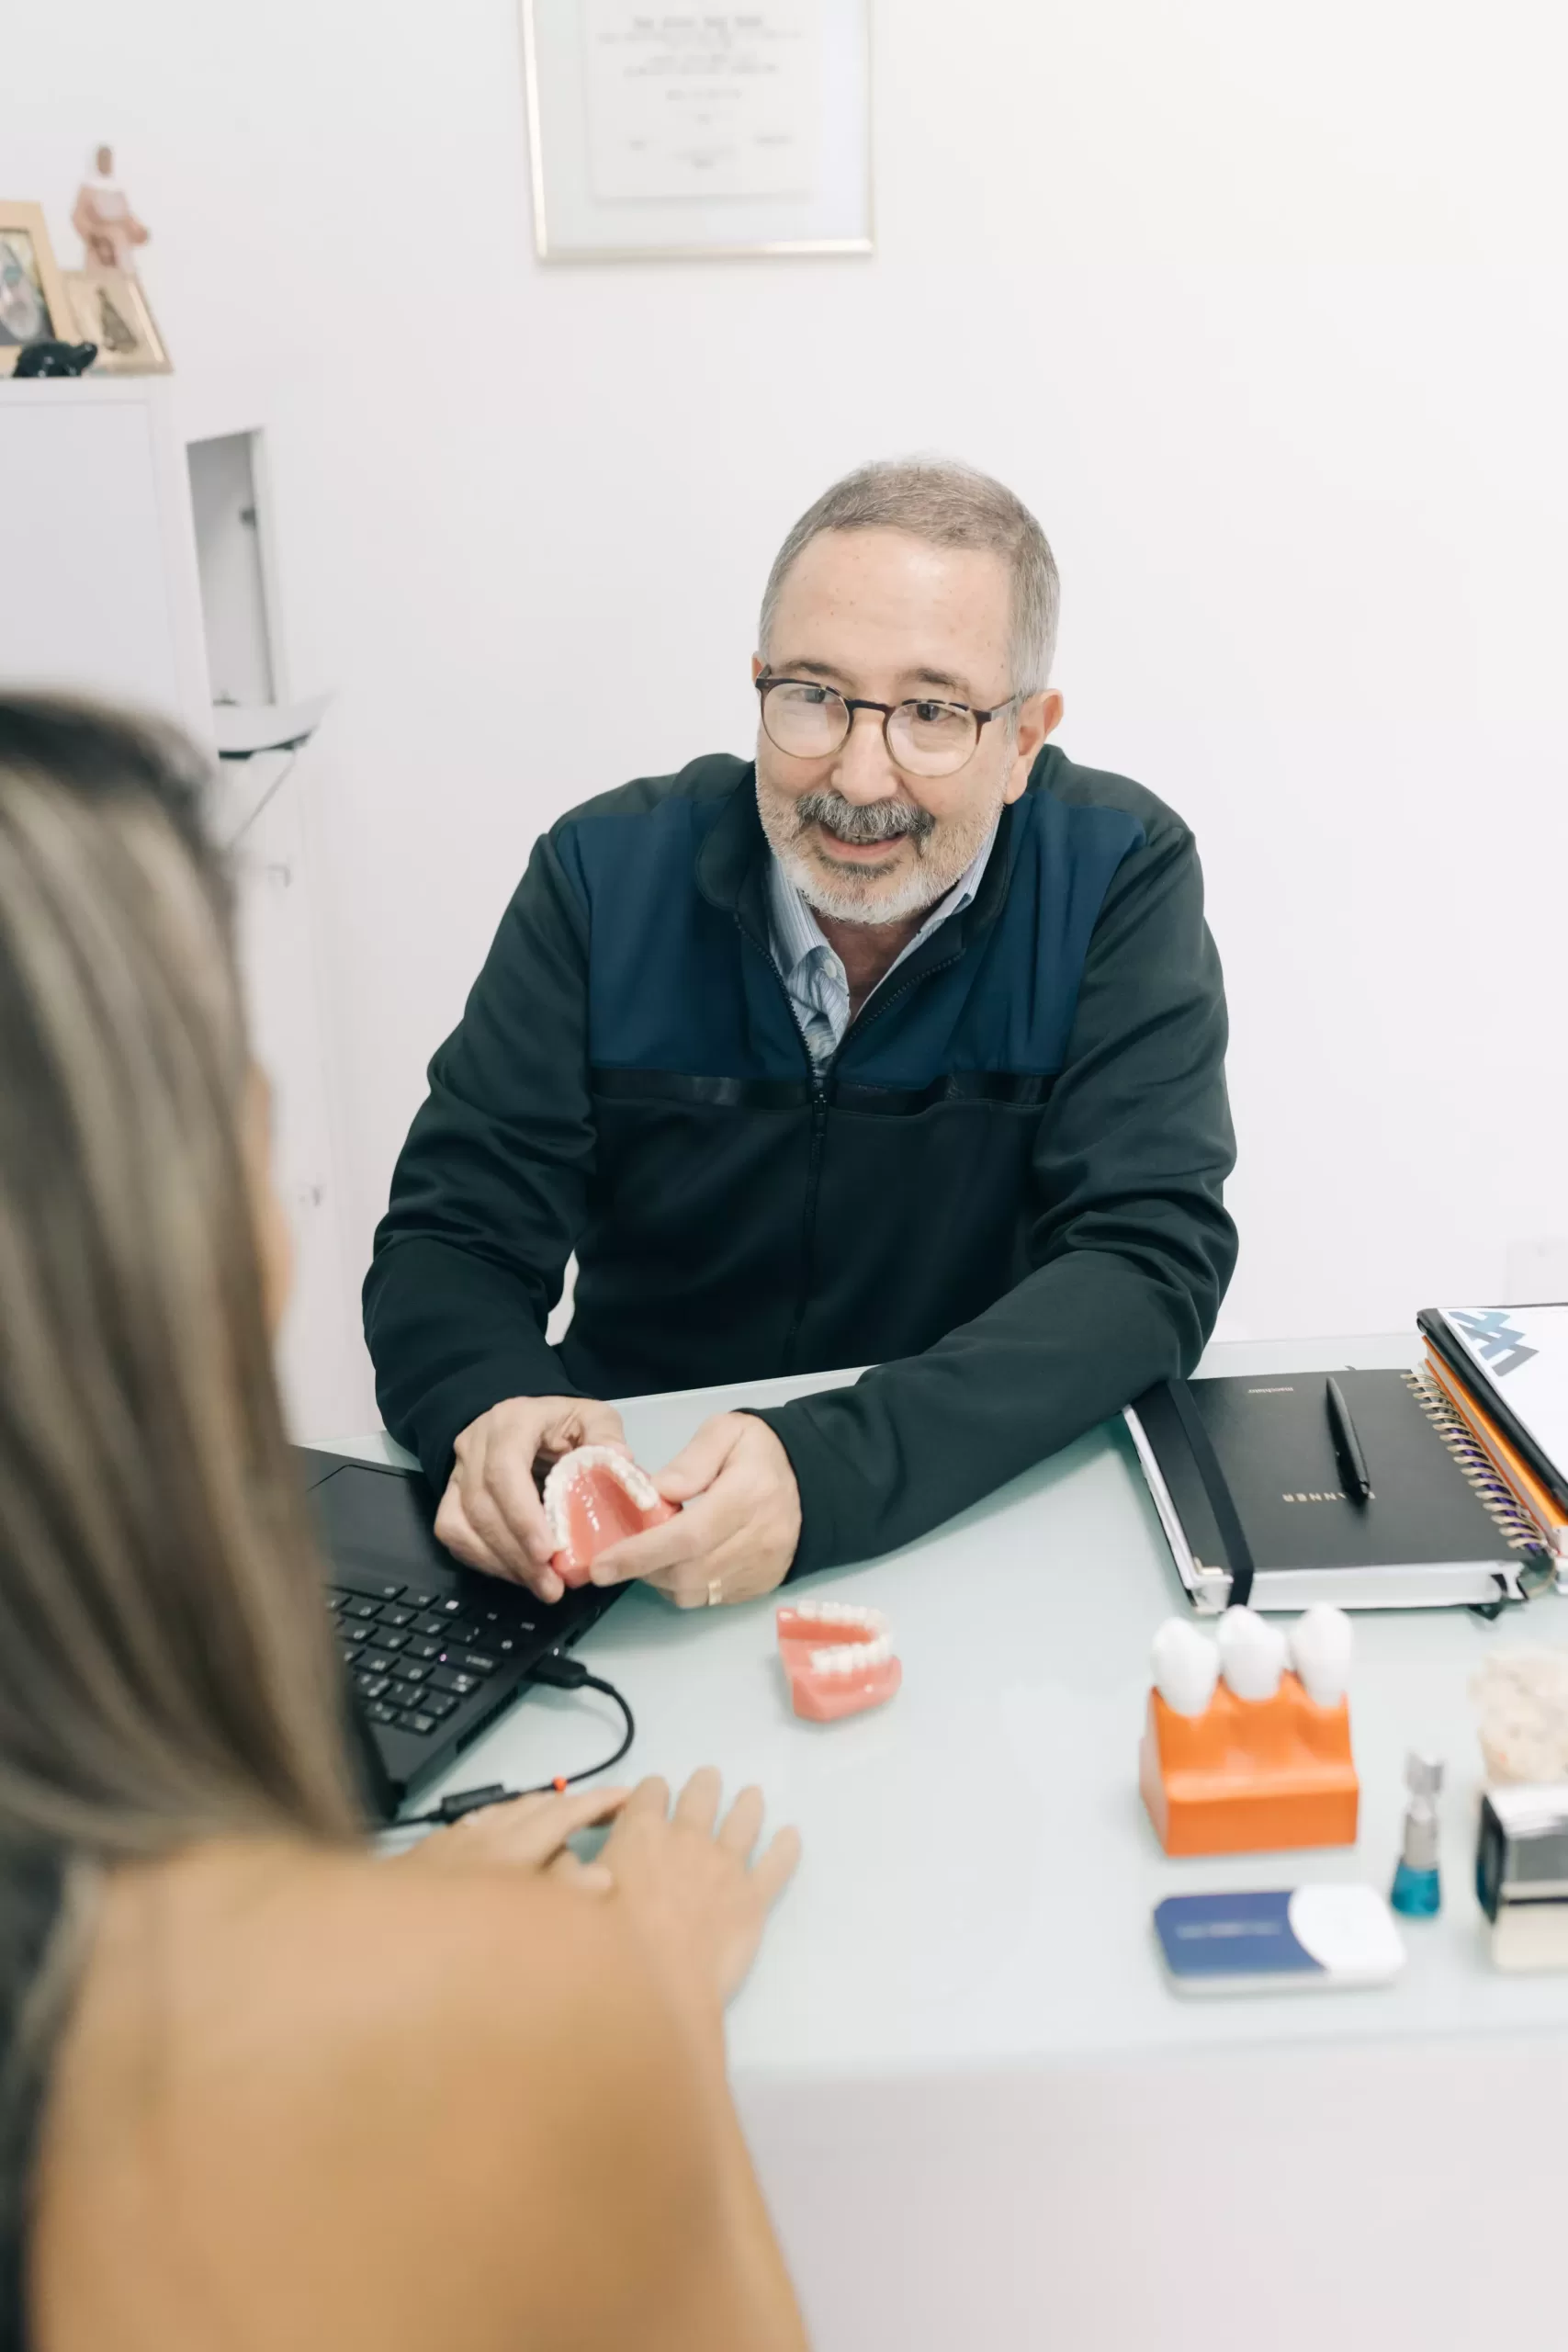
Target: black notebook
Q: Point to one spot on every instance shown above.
(1252, 1499)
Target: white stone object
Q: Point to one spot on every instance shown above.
(1521, 1698)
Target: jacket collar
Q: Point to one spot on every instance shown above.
(732, 861)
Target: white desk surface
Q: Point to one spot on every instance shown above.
(950, 1836)
(979, 2113)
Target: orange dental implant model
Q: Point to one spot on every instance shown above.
(837, 1659)
(1261, 1759)
(593, 1496)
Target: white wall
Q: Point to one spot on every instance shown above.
(1262, 309)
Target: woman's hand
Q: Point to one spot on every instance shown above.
(689, 1882)
(528, 1834)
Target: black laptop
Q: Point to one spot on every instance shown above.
(433, 1652)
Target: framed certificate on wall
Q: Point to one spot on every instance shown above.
(662, 133)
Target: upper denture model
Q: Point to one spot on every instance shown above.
(594, 1497)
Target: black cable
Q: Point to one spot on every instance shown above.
(561, 1674)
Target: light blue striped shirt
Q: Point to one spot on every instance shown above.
(813, 975)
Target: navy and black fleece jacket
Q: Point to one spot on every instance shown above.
(1004, 1191)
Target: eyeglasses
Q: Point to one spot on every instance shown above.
(924, 738)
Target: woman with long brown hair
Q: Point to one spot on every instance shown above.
(258, 2087)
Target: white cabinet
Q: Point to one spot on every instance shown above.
(101, 592)
(322, 1359)
(98, 585)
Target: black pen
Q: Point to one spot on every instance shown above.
(1347, 1445)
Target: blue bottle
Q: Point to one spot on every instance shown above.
(1418, 1889)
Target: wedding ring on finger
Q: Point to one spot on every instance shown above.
(716, 1591)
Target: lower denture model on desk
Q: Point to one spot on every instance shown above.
(594, 1497)
(839, 1659)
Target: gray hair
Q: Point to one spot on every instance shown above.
(950, 505)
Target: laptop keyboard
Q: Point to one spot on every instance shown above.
(415, 1656)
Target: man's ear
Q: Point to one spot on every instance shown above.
(756, 667)
(1038, 718)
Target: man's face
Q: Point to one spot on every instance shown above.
(887, 616)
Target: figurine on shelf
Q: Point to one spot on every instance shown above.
(104, 221)
(1261, 1759)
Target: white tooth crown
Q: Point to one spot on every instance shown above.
(851, 1658)
(1252, 1654)
(845, 1612)
(1320, 1646)
(626, 1474)
(1186, 1667)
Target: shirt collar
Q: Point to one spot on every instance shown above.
(797, 935)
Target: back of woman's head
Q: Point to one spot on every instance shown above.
(164, 1666)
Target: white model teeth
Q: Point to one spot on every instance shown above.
(851, 1658)
(845, 1612)
(1320, 1646)
(622, 1468)
(1186, 1667)
(1252, 1654)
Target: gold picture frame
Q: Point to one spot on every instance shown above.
(33, 304)
(108, 307)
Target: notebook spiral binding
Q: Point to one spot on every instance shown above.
(1496, 1499)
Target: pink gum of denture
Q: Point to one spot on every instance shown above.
(839, 1660)
(594, 1497)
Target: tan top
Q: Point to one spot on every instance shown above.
(308, 2100)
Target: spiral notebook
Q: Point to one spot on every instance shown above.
(1512, 1362)
(1248, 1489)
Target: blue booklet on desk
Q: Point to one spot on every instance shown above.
(1249, 1476)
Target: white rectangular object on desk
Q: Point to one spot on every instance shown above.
(1279, 1939)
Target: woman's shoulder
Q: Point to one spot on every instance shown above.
(370, 2096)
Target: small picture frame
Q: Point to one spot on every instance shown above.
(669, 134)
(108, 307)
(33, 305)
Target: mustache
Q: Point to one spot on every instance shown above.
(863, 821)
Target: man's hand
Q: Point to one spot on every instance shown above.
(735, 1536)
(491, 1516)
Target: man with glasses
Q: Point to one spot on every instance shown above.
(903, 1045)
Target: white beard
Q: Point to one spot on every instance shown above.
(869, 898)
(849, 895)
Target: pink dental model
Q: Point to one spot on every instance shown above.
(839, 1659)
(594, 1497)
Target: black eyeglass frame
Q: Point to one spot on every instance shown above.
(889, 710)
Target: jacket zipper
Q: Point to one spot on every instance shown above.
(819, 1082)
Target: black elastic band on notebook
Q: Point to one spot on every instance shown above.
(1211, 1478)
